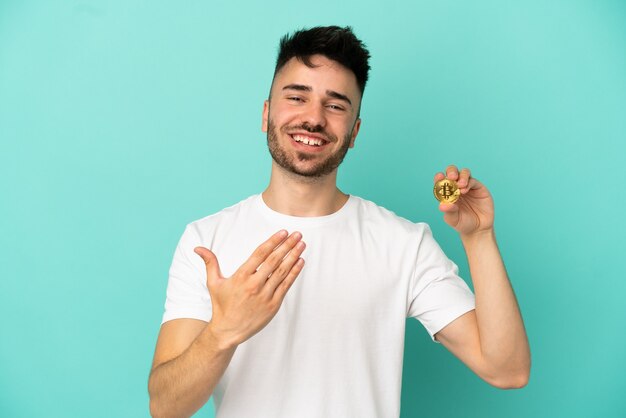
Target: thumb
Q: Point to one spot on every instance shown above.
(450, 213)
(448, 207)
(213, 273)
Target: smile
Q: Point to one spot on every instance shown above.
(308, 140)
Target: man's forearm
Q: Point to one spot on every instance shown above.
(503, 339)
(181, 386)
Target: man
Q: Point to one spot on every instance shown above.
(248, 322)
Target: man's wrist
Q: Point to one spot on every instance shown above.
(218, 340)
(478, 238)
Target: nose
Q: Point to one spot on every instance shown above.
(314, 115)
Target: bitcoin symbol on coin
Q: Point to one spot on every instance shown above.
(447, 191)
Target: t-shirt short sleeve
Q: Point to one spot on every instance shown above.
(438, 294)
(187, 293)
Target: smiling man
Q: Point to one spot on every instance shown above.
(239, 326)
(321, 140)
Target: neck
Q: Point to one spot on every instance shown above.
(295, 195)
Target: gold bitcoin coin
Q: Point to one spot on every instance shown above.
(447, 191)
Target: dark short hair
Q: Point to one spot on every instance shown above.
(335, 43)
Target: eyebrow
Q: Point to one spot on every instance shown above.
(338, 96)
(331, 93)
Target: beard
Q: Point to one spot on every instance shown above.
(289, 161)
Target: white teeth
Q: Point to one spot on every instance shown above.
(307, 140)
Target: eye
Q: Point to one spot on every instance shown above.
(295, 99)
(335, 107)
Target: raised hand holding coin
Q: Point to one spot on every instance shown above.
(466, 203)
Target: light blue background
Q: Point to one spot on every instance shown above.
(121, 121)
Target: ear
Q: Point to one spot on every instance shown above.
(355, 131)
(266, 113)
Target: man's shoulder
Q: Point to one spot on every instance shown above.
(229, 214)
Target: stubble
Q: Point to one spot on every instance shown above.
(289, 161)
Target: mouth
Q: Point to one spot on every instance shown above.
(308, 142)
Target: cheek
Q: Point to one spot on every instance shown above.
(344, 127)
(278, 115)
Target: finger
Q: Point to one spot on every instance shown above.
(213, 273)
(274, 259)
(439, 176)
(452, 172)
(278, 275)
(263, 251)
(448, 207)
(471, 184)
(464, 177)
(285, 285)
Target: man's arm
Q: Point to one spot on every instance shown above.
(490, 340)
(188, 362)
(191, 356)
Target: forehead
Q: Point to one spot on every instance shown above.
(325, 74)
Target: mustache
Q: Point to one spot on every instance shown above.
(314, 129)
(311, 129)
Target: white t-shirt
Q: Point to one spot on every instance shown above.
(335, 347)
